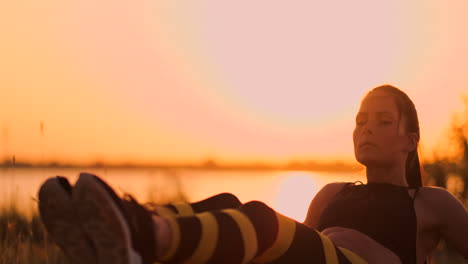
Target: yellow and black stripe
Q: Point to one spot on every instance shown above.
(284, 238)
(217, 202)
(297, 243)
(221, 236)
(253, 233)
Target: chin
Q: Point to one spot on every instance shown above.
(370, 160)
(374, 162)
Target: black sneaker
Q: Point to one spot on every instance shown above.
(121, 230)
(61, 221)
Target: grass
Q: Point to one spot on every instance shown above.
(23, 240)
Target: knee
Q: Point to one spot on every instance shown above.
(217, 202)
(258, 209)
(229, 199)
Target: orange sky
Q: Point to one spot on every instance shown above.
(161, 81)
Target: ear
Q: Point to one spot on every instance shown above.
(412, 142)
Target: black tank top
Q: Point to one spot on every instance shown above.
(384, 212)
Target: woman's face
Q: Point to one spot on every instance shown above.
(379, 137)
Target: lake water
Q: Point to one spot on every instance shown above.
(289, 192)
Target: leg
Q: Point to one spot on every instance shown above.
(253, 233)
(121, 229)
(216, 202)
(62, 221)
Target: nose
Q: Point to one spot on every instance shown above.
(367, 129)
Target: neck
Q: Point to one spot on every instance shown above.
(392, 175)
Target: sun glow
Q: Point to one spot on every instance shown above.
(295, 192)
(168, 81)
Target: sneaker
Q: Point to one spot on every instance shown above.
(61, 222)
(121, 230)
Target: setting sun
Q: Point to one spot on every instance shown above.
(296, 190)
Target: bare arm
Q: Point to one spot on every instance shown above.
(319, 203)
(454, 221)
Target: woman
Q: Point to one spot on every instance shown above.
(391, 219)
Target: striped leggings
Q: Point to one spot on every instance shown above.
(221, 229)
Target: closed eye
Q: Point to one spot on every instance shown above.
(385, 122)
(360, 123)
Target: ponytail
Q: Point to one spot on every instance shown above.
(413, 170)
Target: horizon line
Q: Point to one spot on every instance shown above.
(336, 165)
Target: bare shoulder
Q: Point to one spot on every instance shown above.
(432, 191)
(320, 201)
(440, 205)
(437, 196)
(332, 188)
(329, 191)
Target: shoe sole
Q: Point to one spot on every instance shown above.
(103, 222)
(61, 222)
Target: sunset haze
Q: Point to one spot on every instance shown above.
(157, 81)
